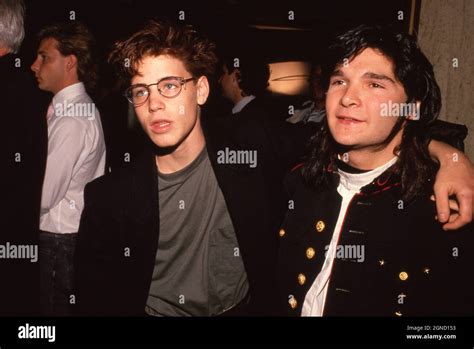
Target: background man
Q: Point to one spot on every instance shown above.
(244, 81)
(76, 154)
(24, 161)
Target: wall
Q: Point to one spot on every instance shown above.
(446, 31)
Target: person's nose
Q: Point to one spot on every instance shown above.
(155, 100)
(35, 65)
(350, 96)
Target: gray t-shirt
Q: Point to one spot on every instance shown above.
(198, 268)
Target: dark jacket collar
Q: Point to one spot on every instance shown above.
(144, 186)
(387, 180)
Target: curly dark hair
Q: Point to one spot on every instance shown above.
(415, 72)
(165, 38)
(74, 38)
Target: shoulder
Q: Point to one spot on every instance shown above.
(417, 218)
(295, 183)
(108, 190)
(75, 117)
(235, 130)
(67, 128)
(119, 184)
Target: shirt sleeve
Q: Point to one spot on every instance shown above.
(66, 143)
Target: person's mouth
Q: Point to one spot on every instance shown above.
(161, 126)
(348, 120)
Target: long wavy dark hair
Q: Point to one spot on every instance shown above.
(415, 72)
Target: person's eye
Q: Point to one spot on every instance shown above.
(337, 82)
(375, 85)
(170, 86)
(141, 92)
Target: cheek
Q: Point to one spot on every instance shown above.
(332, 101)
(382, 124)
(51, 71)
(186, 107)
(374, 106)
(141, 113)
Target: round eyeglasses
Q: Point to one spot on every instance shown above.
(168, 87)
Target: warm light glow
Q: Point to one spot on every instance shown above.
(289, 78)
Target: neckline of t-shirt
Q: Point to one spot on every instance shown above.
(186, 170)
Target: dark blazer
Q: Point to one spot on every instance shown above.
(122, 211)
(260, 108)
(253, 110)
(408, 266)
(24, 150)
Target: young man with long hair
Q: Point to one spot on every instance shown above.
(362, 239)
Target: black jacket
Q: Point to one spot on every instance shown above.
(408, 266)
(254, 110)
(122, 211)
(24, 150)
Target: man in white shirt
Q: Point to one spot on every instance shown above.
(76, 154)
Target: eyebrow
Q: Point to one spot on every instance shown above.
(336, 72)
(163, 78)
(369, 75)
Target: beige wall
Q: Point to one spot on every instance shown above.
(446, 31)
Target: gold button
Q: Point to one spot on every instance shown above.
(381, 262)
(293, 303)
(398, 313)
(301, 279)
(403, 275)
(310, 252)
(320, 226)
(282, 232)
(426, 270)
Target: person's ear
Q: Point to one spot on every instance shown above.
(415, 111)
(4, 50)
(202, 90)
(71, 62)
(236, 76)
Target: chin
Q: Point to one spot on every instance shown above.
(344, 139)
(163, 143)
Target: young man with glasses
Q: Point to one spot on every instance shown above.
(173, 249)
(184, 230)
